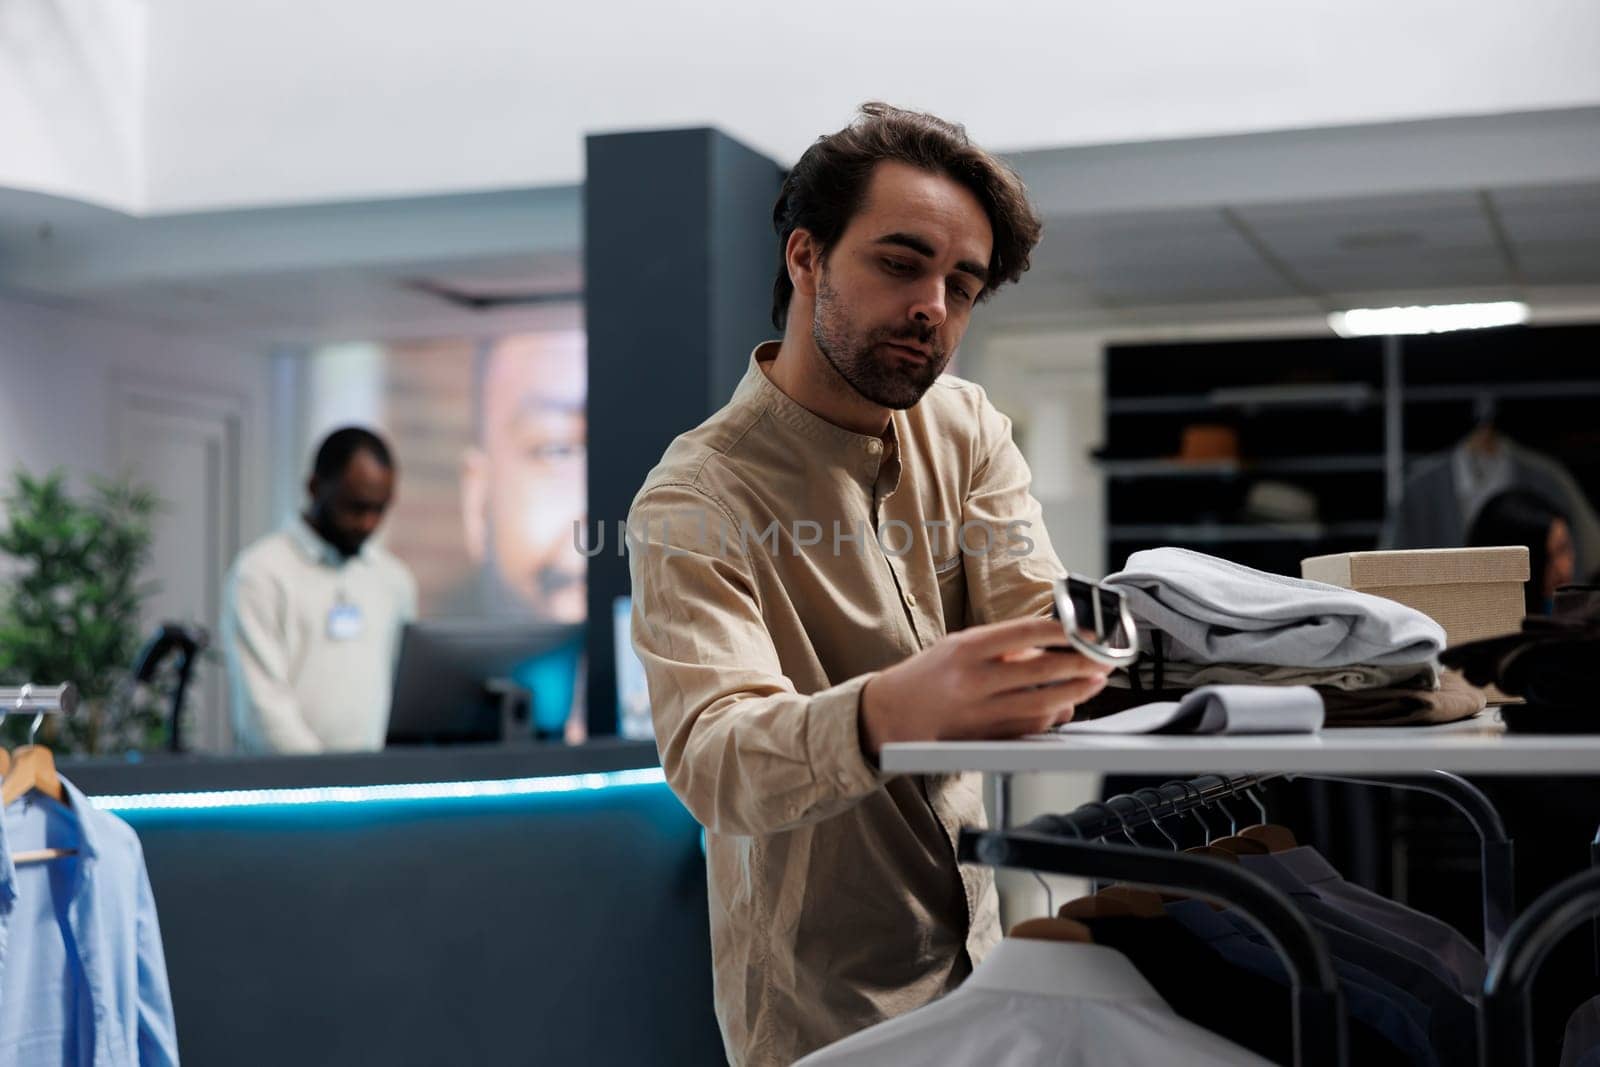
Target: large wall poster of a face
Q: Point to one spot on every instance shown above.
(491, 439)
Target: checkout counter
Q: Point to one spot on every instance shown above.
(463, 904)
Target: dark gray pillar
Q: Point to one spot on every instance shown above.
(679, 257)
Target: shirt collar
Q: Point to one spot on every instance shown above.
(1308, 865)
(312, 546)
(1277, 874)
(1200, 920)
(1061, 969)
(85, 814)
(82, 814)
(825, 441)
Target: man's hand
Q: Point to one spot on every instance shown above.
(979, 684)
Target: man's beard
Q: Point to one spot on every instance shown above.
(860, 361)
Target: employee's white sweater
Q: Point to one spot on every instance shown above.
(310, 640)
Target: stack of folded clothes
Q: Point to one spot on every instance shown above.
(1206, 621)
(1553, 664)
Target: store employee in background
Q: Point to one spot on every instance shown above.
(777, 673)
(311, 624)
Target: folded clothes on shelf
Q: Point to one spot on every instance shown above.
(1195, 608)
(1364, 676)
(1213, 709)
(1452, 701)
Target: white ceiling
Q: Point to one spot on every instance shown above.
(1193, 231)
(1315, 256)
(167, 106)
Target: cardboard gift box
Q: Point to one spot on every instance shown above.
(1471, 592)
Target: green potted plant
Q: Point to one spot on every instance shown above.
(70, 606)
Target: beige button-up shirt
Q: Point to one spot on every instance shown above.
(778, 561)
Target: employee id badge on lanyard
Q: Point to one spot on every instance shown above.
(344, 621)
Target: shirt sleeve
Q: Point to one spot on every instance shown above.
(744, 751)
(408, 594)
(157, 1031)
(1012, 574)
(264, 705)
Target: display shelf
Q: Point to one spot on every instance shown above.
(1172, 468)
(1475, 746)
(1471, 391)
(1228, 533)
(1352, 397)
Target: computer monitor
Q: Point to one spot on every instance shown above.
(633, 690)
(448, 686)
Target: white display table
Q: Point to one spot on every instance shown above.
(1474, 746)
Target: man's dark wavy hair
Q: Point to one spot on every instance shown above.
(825, 188)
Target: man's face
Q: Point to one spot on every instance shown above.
(525, 487)
(348, 509)
(896, 291)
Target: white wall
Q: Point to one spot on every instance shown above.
(268, 101)
(58, 375)
(72, 99)
(92, 395)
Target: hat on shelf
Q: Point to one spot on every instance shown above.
(1208, 443)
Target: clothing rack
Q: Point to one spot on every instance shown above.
(31, 699)
(1319, 1037)
(1506, 1036)
(1069, 844)
(1178, 798)
(1422, 759)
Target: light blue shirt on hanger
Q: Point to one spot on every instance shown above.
(83, 977)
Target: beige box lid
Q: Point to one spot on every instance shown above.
(1422, 566)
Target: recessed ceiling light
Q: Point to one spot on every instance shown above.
(1434, 318)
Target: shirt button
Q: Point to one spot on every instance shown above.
(874, 447)
(911, 598)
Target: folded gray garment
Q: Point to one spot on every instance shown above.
(1175, 674)
(1209, 610)
(1215, 709)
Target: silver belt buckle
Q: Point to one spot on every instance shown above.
(1096, 620)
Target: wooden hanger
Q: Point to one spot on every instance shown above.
(1276, 838)
(1214, 852)
(41, 855)
(1263, 835)
(1228, 848)
(1239, 845)
(1115, 902)
(1053, 930)
(1484, 439)
(32, 767)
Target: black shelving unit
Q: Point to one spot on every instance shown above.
(1307, 412)
(1341, 419)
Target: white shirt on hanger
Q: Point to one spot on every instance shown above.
(1041, 1004)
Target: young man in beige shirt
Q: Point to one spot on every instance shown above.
(845, 555)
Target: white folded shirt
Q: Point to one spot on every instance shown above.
(1214, 709)
(1210, 610)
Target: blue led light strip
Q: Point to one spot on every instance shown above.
(358, 794)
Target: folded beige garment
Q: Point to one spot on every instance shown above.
(1181, 675)
(1454, 699)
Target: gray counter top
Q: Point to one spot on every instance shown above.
(192, 773)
